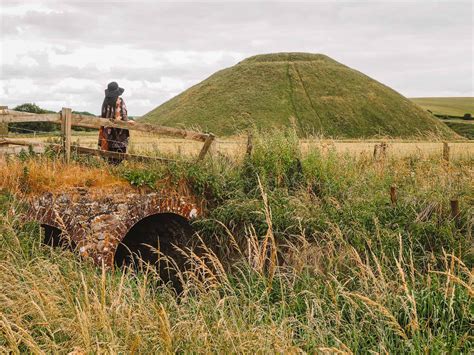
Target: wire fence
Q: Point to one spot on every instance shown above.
(145, 142)
(25, 130)
(236, 147)
(67, 120)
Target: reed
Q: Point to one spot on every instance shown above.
(297, 254)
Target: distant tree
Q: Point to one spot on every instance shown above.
(84, 113)
(30, 127)
(32, 108)
(83, 129)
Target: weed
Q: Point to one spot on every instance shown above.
(140, 178)
(297, 254)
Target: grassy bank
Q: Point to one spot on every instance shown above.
(464, 129)
(297, 254)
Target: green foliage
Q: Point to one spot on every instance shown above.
(30, 127)
(140, 178)
(31, 108)
(84, 129)
(325, 296)
(26, 154)
(451, 107)
(354, 271)
(331, 190)
(215, 181)
(275, 160)
(312, 92)
(463, 129)
(38, 127)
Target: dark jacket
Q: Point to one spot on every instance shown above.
(114, 139)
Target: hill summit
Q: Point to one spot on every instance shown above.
(312, 92)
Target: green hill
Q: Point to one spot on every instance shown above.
(312, 91)
(451, 106)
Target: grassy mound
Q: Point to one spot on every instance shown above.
(313, 92)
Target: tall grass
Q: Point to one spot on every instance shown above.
(326, 297)
(36, 175)
(296, 254)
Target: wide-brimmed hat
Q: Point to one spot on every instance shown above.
(113, 90)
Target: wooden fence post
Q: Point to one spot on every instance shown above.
(383, 150)
(376, 151)
(446, 151)
(454, 209)
(380, 151)
(206, 146)
(66, 120)
(249, 144)
(393, 194)
(3, 126)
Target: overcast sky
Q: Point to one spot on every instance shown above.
(63, 54)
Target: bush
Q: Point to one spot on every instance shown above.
(39, 127)
(31, 127)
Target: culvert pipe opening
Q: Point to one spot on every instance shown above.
(153, 240)
(54, 237)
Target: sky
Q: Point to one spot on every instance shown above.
(63, 53)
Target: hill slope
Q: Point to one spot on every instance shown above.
(321, 94)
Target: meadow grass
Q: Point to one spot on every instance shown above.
(296, 254)
(235, 147)
(452, 106)
(464, 129)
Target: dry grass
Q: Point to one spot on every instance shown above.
(51, 302)
(356, 273)
(46, 175)
(143, 143)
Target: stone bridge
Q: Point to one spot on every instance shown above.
(116, 228)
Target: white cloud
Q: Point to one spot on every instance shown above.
(28, 61)
(20, 8)
(59, 53)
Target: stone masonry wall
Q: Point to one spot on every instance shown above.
(96, 225)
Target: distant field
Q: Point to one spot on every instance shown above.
(455, 106)
(143, 143)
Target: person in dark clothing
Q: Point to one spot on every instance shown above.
(110, 138)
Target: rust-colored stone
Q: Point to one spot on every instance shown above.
(97, 225)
